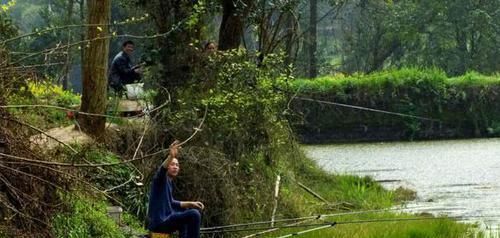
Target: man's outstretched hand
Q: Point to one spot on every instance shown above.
(174, 149)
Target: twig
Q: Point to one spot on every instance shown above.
(36, 65)
(312, 192)
(61, 28)
(76, 179)
(17, 190)
(288, 106)
(87, 41)
(119, 186)
(32, 176)
(59, 108)
(196, 129)
(78, 112)
(139, 146)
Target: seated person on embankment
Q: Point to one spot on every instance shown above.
(121, 71)
(167, 215)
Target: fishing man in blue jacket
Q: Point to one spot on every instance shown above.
(167, 215)
(122, 72)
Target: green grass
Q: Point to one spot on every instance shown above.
(358, 192)
(392, 229)
(84, 218)
(372, 82)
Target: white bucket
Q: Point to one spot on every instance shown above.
(135, 90)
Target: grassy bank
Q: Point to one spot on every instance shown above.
(459, 107)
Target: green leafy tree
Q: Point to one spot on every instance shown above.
(455, 35)
(7, 27)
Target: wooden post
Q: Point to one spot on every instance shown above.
(276, 193)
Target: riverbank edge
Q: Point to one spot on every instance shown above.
(323, 138)
(396, 105)
(367, 195)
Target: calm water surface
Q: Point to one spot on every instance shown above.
(455, 178)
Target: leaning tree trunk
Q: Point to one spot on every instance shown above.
(312, 39)
(95, 67)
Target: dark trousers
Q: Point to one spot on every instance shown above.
(187, 222)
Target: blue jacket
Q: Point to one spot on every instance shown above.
(161, 202)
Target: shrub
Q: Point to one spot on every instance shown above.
(84, 218)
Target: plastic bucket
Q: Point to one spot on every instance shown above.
(134, 90)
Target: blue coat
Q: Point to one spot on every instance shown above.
(161, 202)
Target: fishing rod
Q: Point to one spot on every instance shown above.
(316, 217)
(309, 230)
(367, 109)
(313, 217)
(456, 218)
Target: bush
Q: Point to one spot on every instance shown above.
(43, 94)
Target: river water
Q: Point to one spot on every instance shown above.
(459, 178)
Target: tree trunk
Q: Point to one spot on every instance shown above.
(463, 53)
(176, 55)
(82, 35)
(95, 66)
(231, 27)
(290, 39)
(312, 39)
(67, 67)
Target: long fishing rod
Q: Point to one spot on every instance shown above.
(309, 230)
(457, 218)
(265, 228)
(313, 217)
(367, 109)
